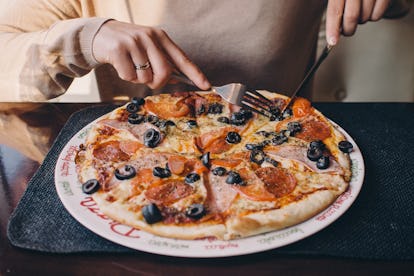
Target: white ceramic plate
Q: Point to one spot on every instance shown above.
(84, 209)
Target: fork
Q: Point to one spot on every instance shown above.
(236, 93)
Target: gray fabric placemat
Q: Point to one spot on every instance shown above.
(379, 225)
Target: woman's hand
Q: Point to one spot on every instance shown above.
(127, 47)
(343, 16)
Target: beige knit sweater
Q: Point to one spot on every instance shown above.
(267, 44)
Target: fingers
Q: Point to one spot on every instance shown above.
(366, 10)
(334, 14)
(350, 19)
(380, 8)
(127, 46)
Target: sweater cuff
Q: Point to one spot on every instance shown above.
(398, 8)
(87, 36)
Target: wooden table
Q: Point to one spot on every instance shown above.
(19, 163)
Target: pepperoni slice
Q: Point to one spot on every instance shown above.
(143, 179)
(110, 151)
(130, 146)
(301, 107)
(166, 110)
(215, 141)
(254, 188)
(169, 192)
(313, 130)
(278, 181)
(180, 165)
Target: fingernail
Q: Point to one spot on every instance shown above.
(332, 40)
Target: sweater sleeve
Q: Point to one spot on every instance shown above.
(44, 45)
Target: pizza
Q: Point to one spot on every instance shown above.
(189, 165)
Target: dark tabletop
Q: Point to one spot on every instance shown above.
(28, 130)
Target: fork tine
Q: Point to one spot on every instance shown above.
(262, 101)
(254, 110)
(260, 96)
(256, 103)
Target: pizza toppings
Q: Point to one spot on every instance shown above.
(314, 153)
(294, 127)
(323, 162)
(233, 137)
(192, 123)
(195, 211)
(345, 146)
(219, 171)
(166, 109)
(313, 129)
(241, 117)
(135, 118)
(278, 181)
(215, 108)
(138, 101)
(234, 178)
(205, 159)
(110, 151)
(257, 156)
(125, 172)
(151, 213)
(191, 178)
(168, 192)
(152, 138)
(91, 186)
(132, 108)
(161, 172)
(223, 120)
(301, 107)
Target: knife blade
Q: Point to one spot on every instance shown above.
(309, 75)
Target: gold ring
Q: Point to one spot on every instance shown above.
(144, 66)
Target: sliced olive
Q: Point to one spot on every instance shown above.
(294, 127)
(257, 156)
(195, 211)
(135, 118)
(152, 138)
(191, 178)
(152, 119)
(132, 108)
(205, 159)
(151, 213)
(223, 120)
(201, 110)
(263, 133)
(233, 137)
(345, 146)
(323, 162)
(161, 172)
(192, 123)
(287, 113)
(125, 172)
(279, 139)
(271, 161)
(215, 108)
(138, 101)
(91, 186)
(219, 171)
(234, 178)
(314, 154)
(276, 118)
(254, 146)
(275, 111)
(317, 144)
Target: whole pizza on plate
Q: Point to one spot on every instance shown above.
(190, 165)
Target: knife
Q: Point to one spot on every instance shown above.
(309, 75)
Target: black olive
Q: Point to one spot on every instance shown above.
(164, 123)
(90, 186)
(276, 118)
(192, 123)
(205, 159)
(279, 139)
(263, 133)
(271, 161)
(323, 162)
(220, 171)
(201, 110)
(294, 127)
(151, 213)
(152, 138)
(233, 137)
(195, 211)
(126, 172)
(191, 178)
(314, 153)
(254, 146)
(287, 113)
(317, 144)
(138, 101)
(161, 172)
(345, 146)
(132, 108)
(223, 120)
(257, 156)
(215, 108)
(234, 178)
(238, 122)
(264, 143)
(152, 119)
(135, 118)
